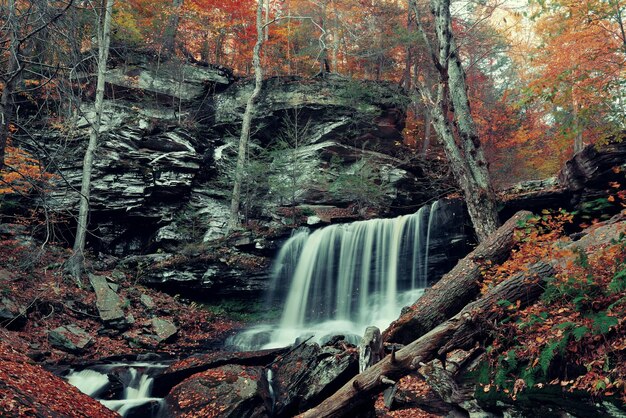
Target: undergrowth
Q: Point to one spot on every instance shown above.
(575, 335)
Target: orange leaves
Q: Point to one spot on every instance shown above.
(577, 66)
(536, 242)
(575, 336)
(22, 172)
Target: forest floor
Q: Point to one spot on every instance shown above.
(33, 282)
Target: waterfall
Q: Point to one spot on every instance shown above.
(354, 275)
(343, 278)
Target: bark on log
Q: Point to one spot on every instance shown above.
(455, 289)
(461, 331)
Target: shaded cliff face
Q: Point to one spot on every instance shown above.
(161, 174)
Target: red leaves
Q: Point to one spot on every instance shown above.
(27, 390)
(580, 319)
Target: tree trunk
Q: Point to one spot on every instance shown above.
(427, 126)
(467, 159)
(247, 121)
(462, 331)
(76, 262)
(578, 125)
(456, 288)
(10, 80)
(169, 35)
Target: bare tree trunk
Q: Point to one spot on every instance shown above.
(578, 128)
(247, 121)
(266, 30)
(408, 59)
(427, 129)
(467, 160)
(336, 39)
(76, 262)
(10, 79)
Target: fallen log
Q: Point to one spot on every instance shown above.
(456, 288)
(463, 330)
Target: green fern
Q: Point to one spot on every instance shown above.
(602, 323)
(580, 332)
(546, 356)
(618, 284)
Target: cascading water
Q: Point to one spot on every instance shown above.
(343, 278)
(136, 378)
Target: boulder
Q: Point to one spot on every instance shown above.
(147, 301)
(163, 329)
(238, 274)
(108, 302)
(308, 374)
(70, 338)
(142, 74)
(12, 314)
(197, 363)
(582, 185)
(229, 391)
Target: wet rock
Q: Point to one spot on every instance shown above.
(229, 392)
(163, 329)
(12, 315)
(148, 409)
(147, 301)
(70, 338)
(198, 363)
(313, 220)
(108, 302)
(308, 374)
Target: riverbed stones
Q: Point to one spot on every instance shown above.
(163, 329)
(230, 391)
(108, 302)
(70, 338)
(147, 301)
(12, 315)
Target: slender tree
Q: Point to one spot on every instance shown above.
(19, 26)
(103, 28)
(465, 155)
(169, 36)
(247, 120)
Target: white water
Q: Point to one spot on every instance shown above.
(136, 391)
(344, 278)
(90, 382)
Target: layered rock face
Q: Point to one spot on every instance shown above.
(163, 168)
(170, 135)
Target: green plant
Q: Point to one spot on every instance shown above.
(361, 183)
(574, 335)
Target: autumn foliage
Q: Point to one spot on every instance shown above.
(22, 173)
(575, 336)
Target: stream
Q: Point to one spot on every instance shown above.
(336, 280)
(121, 387)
